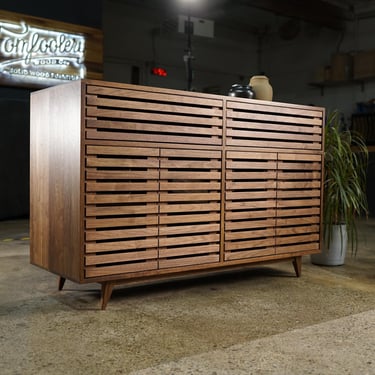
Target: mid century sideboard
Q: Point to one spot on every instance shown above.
(135, 183)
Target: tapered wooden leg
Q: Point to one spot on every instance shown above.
(107, 288)
(297, 264)
(61, 282)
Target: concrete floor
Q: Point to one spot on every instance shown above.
(262, 320)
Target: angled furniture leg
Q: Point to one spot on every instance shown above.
(61, 282)
(297, 264)
(107, 288)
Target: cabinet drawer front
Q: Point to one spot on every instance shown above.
(190, 185)
(121, 210)
(132, 115)
(262, 125)
(298, 204)
(250, 204)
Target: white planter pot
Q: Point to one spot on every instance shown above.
(335, 254)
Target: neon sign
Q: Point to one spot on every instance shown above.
(37, 56)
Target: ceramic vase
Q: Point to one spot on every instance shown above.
(262, 87)
(242, 91)
(335, 254)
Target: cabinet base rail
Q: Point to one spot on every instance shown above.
(107, 286)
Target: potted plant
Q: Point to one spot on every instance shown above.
(344, 190)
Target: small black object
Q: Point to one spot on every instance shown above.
(241, 91)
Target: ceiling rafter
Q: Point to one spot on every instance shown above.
(319, 12)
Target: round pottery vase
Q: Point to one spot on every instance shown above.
(262, 88)
(241, 91)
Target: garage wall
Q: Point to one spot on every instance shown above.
(134, 41)
(15, 104)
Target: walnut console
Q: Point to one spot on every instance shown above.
(134, 183)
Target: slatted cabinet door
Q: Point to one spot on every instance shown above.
(250, 204)
(130, 114)
(298, 202)
(121, 234)
(264, 125)
(190, 195)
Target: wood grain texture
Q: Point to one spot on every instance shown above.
(56, 192)
(119, 213)
(153, 117)
(254, 125)
(189, 231)
(250, 196)
(299, 202)
(153, 182)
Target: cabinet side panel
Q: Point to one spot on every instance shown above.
(39, 181)
(55, 187)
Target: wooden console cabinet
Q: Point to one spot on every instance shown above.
(138, 183)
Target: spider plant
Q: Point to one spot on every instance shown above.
(345, 169)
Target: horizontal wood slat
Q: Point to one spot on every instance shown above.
(309, 247)
(117, 269)
(98, 101)
(108, 246)
(120, 257)
(252, 253)
(94, 174)
(154, 137)
(187, 207)
(122, 186)
(189, 197)
(112, 222)
(243, 248)
(183, 250)
(248, 234)
(190, 186)
(240, 215)
(122, 198)
(162, 118)
(278, 109)
(96, 235)
(295, 212)
(126, 151)
(188, 239)
(148, 95)
(302, 229)
(187, 261)
(190, 218)
(183, 229)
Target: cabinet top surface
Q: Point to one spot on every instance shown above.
(118, 85)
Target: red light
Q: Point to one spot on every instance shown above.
(157, 71)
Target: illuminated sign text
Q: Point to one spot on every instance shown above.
(40, 56)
